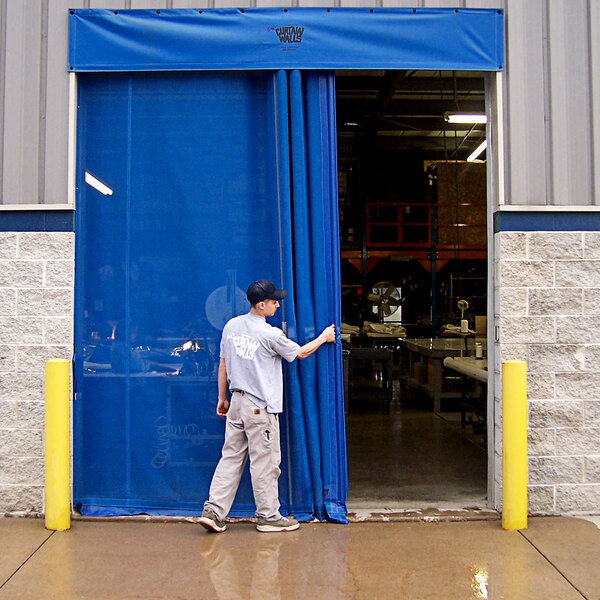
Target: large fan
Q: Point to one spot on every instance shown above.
(385, 298)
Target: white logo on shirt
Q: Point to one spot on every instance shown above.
(245, 346)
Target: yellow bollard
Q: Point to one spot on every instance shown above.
(514, 444)
(57, 471)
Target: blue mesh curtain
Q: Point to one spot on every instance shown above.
(306, 142)
(201, 205)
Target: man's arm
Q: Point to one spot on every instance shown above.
(327, 335)
(223, 403)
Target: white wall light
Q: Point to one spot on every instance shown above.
(97, 184)
(477, 151)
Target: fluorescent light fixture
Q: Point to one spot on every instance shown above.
(468, 118)
(477, 151)
(97, 184)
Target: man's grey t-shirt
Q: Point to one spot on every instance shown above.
(252, 350)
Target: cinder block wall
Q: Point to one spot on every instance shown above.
(547, 309)
(548, 313)
(36, 324)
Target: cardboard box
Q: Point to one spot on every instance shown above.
(481, 326)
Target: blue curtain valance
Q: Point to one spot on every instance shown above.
(286, 38)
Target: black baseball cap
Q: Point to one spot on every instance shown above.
(264, 290)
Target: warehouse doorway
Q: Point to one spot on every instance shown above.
(413, 233)
(225, 137)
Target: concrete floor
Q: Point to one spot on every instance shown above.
(411, 458)
(555, 558)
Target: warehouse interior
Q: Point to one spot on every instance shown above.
(413, 233)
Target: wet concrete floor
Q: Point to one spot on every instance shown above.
(412, 457)
(555, 557)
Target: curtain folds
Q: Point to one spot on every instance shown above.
(307, 173)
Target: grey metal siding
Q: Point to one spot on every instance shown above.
(21, 127)
(551, 94)
(594, 74)
(524, 122)
(568, 90)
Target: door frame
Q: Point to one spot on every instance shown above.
(495, 197)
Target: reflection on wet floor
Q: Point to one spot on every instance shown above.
(552, 559)
(261, 562)
(411, 457)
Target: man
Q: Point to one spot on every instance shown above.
(250, 364)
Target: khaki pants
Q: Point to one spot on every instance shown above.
(250, 432)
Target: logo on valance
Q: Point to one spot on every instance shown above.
(289, 34)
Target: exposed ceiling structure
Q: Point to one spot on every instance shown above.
(405, 110)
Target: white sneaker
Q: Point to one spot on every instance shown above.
(210, 521)
(283, 524)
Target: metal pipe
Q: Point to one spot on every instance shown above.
(433, 269)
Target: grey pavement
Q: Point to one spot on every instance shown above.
(555, 557)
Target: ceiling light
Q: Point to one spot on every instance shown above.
(468, 118)
(477, 151)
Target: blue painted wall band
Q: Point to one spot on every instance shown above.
(37, 220)
(546, 221)
(63, 220)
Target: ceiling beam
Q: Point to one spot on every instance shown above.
(405, 123)
(415, 108)
(389, 83)
(414, 84)
(426, 143)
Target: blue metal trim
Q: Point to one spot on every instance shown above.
(37, 220)
(546, 221)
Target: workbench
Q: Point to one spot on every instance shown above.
(423, 365)
(384, 358)
(471, 401)
(469, 366)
